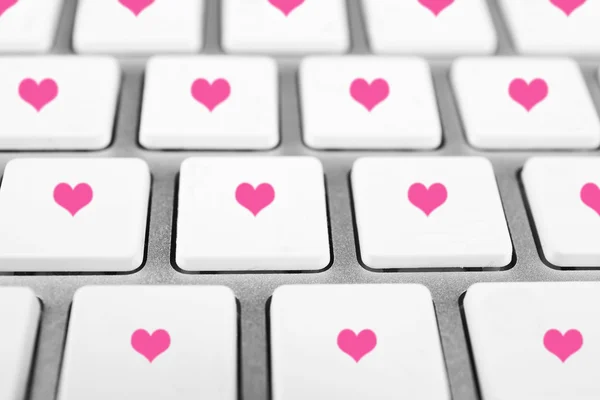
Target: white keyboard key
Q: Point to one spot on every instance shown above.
(356, 342)
(554, 26)
(139, 26)
(426, 212)
(210, 103)
(19, 317)
(58, 103)
(535, 341)
(430, 27)
(285, 26)
(525, 103)
(151, 343)
(28, 26)
(564, 199)
(369, 103)
(252, 214)
(84, 215)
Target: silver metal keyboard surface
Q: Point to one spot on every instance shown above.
(254, 290)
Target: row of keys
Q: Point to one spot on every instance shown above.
(226, 103)
(437, 27)
(270, 213)
(530, 341)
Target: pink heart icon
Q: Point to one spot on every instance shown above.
(563, 346)
(136, 6)
(436, 6)
(73, 200)
(150, 346)
(255, 200)
(590, 195)
(526, 94)
(357, 346)
(370, 95)
(38, 94)
(427, 200)
(6, 4)
(568, 6)
(286, 6)
(211, 95)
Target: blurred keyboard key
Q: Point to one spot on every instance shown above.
(430, 27)
(219, 103)
(28, 26)
(285, 26)
(554, 26)
(139, 26)
(513, 103)
(369, 103)
(19, 317)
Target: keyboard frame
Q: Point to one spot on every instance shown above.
(253, 290)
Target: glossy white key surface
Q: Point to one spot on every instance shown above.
(369, 103)
(564, 200)
(535, 341)
(28, 26)
(554, 26)
(431, 27)
(19, 318)
(429, 212)
(252, 214)
(139, 26)
(210, 103)
(284, 26)
(85, 215)
(151, 343)
(525, 103)
(355, 342)
(58, 102)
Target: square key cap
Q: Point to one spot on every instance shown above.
(564, 199)
(356, 342)
(19, 318)
(28, 26)
(525, 103)
(285, 26)
(58, 102)
(535, 341)
(151, 343)
(83, 215)
(554, 26)
(430, 27)
(210, 103)
(252, 214)
(139, 26)
(369, 103)
(429, 212)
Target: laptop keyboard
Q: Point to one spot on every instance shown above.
(299, 199)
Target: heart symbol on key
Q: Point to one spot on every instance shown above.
(73, 199)
(38, 94)
(150, 346)
(211, 95)
(255, 200)
(427, 200)
(370, 95)
(590, 195)
(436, 6)
(568, 6)
(563, 346)
(357, 346)
(136, 6)
(530, 94)
(6, 4)
(286, 6)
